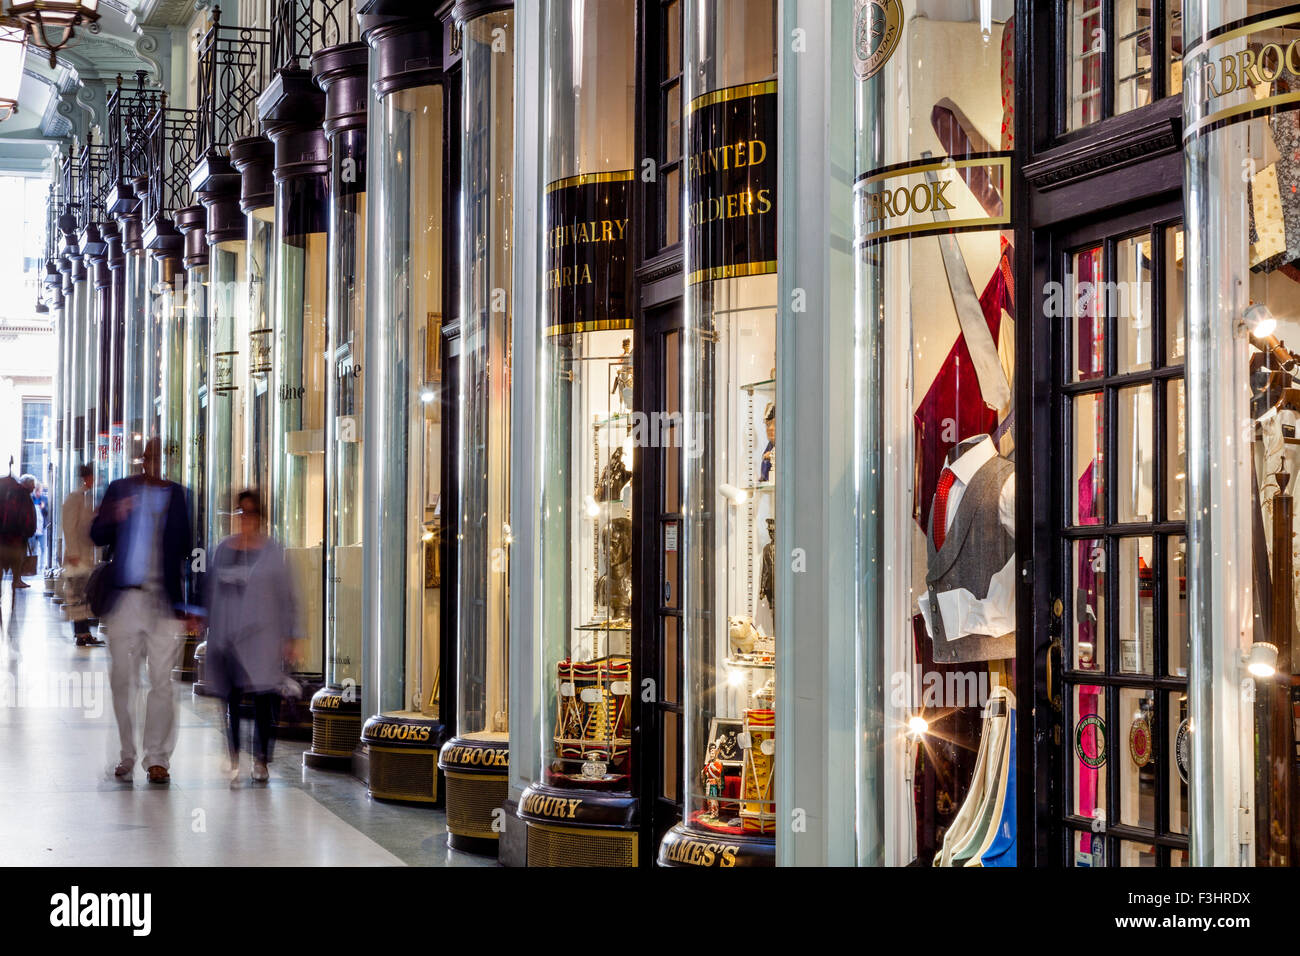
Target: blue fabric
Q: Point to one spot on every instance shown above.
(1002, 851)
(108, 532)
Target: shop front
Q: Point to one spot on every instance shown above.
(475, 762)
(409, 400)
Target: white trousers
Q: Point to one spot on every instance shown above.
(142, 629)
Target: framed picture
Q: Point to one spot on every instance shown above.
(728, 729)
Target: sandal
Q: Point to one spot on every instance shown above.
(159, 774)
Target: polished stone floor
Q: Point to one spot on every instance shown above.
(60, 804)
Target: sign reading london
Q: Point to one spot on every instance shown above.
(588, 281)
(932, 195)
(731, 183)
(1242, 70)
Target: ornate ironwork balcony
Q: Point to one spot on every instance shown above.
(171, 135)
(232, 72)
(128, 116)
(301, 27)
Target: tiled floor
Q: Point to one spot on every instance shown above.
(60, 804)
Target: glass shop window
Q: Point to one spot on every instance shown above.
(1121, 55)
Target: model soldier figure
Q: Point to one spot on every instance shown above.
(713, 779)
(767, 572)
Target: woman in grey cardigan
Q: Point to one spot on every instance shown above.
(252, 617)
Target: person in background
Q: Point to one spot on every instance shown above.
(145, 520)
(43, 531)
(79, 554)
(252, 617)
(17, 525)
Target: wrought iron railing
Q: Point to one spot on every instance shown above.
(301, 27)
(172, 135)
(52, 210)
(232, 72)
(128, 115)
(70, 209)
(93, 172)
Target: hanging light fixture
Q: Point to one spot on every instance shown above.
(13, 50)
(53, 23)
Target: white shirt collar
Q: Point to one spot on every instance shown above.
(973, 459)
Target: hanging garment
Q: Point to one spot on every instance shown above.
(953, 408)
(969, 608)
(984, 830)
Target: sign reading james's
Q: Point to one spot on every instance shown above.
(1242, 70)
(926, 196)
(588, 281)
(731, 182)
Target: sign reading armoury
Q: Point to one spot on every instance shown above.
(1242, 70)
(926, 196)
(731, 182)
(587, 276)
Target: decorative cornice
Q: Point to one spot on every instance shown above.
(1123, 141)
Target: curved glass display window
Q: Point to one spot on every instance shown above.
(586, 437)
(133, 354)
(227, 383)
(170, 397)
(103, 310)
(403, 472)
(1239, 255)
(161, 274)
(93, 301)
(475, 762)
(257, 410)
(933, 416)
(729, 476)
(80, 317)
(341, 72)
(298, 403)
(195, 405)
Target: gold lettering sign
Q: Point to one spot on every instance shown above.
(703, 853)
(1245, 69)
(476, 756)
(559, 808)
(913, 199)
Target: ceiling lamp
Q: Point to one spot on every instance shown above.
(13, 50)
(53, 23)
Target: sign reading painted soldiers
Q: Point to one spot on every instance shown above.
(731, 181)
(587, 277)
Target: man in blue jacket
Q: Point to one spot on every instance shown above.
(144, 521)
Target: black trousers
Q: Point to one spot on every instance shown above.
(264, 714)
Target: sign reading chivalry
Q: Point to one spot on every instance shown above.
(731, 183)
(588, 281)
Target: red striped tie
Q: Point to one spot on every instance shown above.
(940, 513)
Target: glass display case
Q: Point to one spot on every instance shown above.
(227, 374)
(102, 309)
(935, 473)
(254, 158)
(476, 760)
(1238, 744)
(729, 477)
(117, 461)
(405, 667)
(341, 72)
(90, 301)
(134, 343)
(169, 398)
(583, 807)
(298, 375)
(192, 222)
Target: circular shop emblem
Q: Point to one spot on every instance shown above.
(1139, 741)
(1183, 750)
(877, 27)
(1090, 741)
